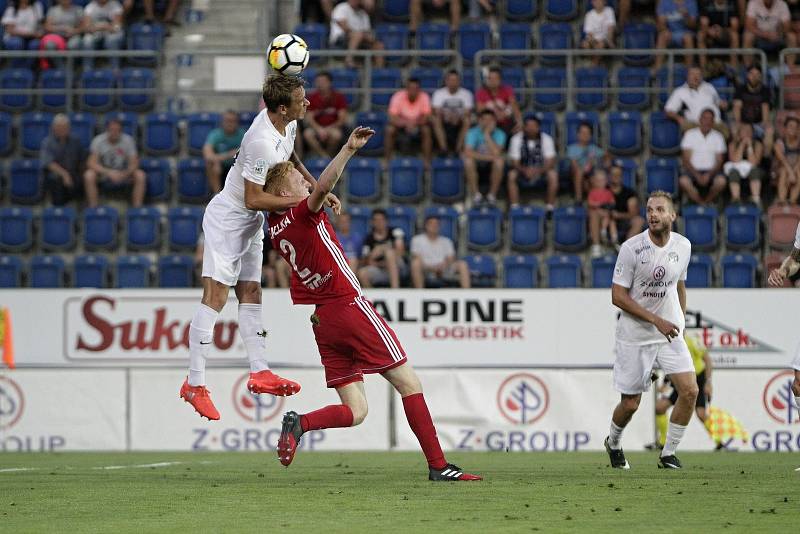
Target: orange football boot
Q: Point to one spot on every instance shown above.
(269, 382)
(200, 400)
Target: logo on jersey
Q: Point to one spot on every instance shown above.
(673, 257)
(659, 272)
(779, 399)
(260, 167)
(619, 269)
(523, 398)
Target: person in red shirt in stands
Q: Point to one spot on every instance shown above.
(499, 98)
(325, 118)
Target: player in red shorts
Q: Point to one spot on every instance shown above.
(352, 338)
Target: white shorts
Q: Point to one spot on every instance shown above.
(633, 365)
(796, 361)
(233, 242)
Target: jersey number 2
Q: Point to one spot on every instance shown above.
(305, 274)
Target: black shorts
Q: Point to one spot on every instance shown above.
(701, 396)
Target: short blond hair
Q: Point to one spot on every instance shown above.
(659, 193)
(276, 176)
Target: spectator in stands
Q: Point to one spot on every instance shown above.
(794, 12)
(768, 26)
(433, 259)
(479, 8)
(599, 25)
(719, 28)
(114, 163)
(601, 203)
(626, 212)
(351, 29)
(410, 119)
(325, 117)
(499, 98)
(787, 156)
(103, 24)
(751, 105)
(452, 112)
(584, 157)
(703, 151)
(695, 96)
(169, 12)
(744, 163)
(483, 151)
(676, 21)
(220, 149)
(62, 157)
(433, 7)
(21, 20)
(532, 158)
(64, 21)
(351, 241)
(383, 253)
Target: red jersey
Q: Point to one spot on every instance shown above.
(326, 110)
(499, 102)
(307, 241)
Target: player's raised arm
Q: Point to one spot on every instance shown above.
(330, 176)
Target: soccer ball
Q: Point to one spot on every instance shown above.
(288, 54)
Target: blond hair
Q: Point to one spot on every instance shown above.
(276, 176)
(658, 193)
(277, 90)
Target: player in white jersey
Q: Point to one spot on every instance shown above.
(788, 268)
(649, 287)
(233, 229)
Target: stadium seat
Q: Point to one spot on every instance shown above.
(700, 227)
(624, 133)
(377, 121)
(739, 270)
(346, 80)
(482, 270)
(6, 137)
(393, 37)
(522, 10)
(554, 81)
(633, 83)
(16, 229)
(563, 270)
(198, 126)
(55, 79)
(101, 80)
(82, 126)
(192, 181)
(175, 270)
(526, 225)
(396, 10)
(448, 221)
(569, 225)
(447, 180)
(430, 78)
(547, 123)
(100, 228)
(10, 271)
(520, 271)
(144, 36)
(630, 169)
(161, 134)
(316, 165)
(403, 217)
(515, 36)
(34, 126)
(47, 271)
(405, 179)
(724, 87)
(364, 180)
(359, 219)
(132, 272)
(432, 37)
(129, 121)
(385, 82)
(57, 231)
(472, 38)
(134, 78)
(314, 34)
(246, 118)
(484, 228)
(184, 227)
(468, 79)
(603, 271)
(782, 223)
(573, 121)
(700, 272)
(554, 36)
(517, 78)
(25, 181)
(638, 36)
(661, 173)
(663, 81)
(742, 226)
(90, 270)
(21, 79)
(143, 228)
(591, 78)
(561, 9)
(158, 174)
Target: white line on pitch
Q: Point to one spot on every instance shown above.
(17, 469)
(137, 466)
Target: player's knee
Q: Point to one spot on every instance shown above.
(360, 411)
(690, 392)
(631, 404)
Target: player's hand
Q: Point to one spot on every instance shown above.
(666, 328)
(359, 137)
(776, 277)
(333, 202)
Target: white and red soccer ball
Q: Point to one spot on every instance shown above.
(288, 54)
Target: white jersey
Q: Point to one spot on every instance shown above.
(797, 237)
(651, 273)
(262, 147)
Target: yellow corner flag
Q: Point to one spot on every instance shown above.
(6, 339)
(722, 426)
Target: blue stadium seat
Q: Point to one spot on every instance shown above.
(661, 173)
(563, 270)
(569, 228)
(700, 226)
(430, 78)
(630, 170)
(396, 10)
(472, 38)
(742, 226)
(432, 37)
(57, 231)
(638, 36)
(364, 180)
(515, 36)
(700, 272)
(198, 126)
(192, 181)
(724, 87)
(468, 80)
(100, 228)
(526, 225)
(405, 179)
(520, 271)
(484, 228)
(143, 36)
(132, 272)
(547, 123)
(161, 134)
(90, 270)
(377, 121)
(393, 37)
(555, 36)
(246, 118)
(632, 83)
(34, 128)
(525, 10)
(53, 79)
(100, 80)
(175, 270)
(142, 79)
(517, 78)
(345, 80)
(143, 227)
(6, 139)
(10, 271)
(447, 179)
(739, 270)
(47, 271)
(624, 133)
(184, 227)
(554, 80)
(662, 80)
(390, 80)
(21, 79)
(25, 181)
(359, 219)
(591, 78)
(482, 269)
(82, 126)
(16, 229)
(316, 165)
(403, 217)
(573, 121)
(561, 9)
(603, 270)
(314, 34)
(448, 221)
(129, 121)
(158, 174)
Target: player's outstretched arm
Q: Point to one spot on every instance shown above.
(790, 266)
(255, 198)
(330, 176)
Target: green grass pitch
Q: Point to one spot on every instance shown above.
(389, 492)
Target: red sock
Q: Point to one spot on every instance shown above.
(419, 419)
(333, 416)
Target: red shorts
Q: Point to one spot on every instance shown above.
(353, 339)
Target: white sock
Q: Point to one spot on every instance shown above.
(201, 335)
(674, 436)
(249, 328)
(615, 435)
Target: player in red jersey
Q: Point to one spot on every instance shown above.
(352, 338)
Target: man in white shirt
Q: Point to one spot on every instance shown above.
(103, 25)
(649, 287)
(351, 29)
(695, 95)
(433, 259)
(532, 158)
(703, 152)
(599, 25)
(768, 26)
(452, 111)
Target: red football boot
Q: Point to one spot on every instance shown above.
(452, 473)
(200, 400)
(272, 384)
(291, 430)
